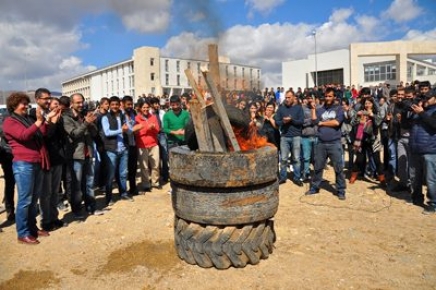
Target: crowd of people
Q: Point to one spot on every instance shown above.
(66, 141)
(66, 148)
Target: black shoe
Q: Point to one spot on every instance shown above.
(78, 216)
(127, 197)
(311, 192)
(429, 210)
(281, 181)
(299, 183)
(341, 196)
(110, 203)
(57, 224)
(47, 227)
(96, 212)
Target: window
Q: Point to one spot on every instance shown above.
(234, 71)
(152, 77)
(178, 80)
(167, 79)
(178, 66)
(152, 61)
(380, 72)
(166, 64)
(199, 67)
(189, 65)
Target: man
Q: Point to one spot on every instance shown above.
(290, 119)
(404, 117)
(115, 141)
(174, 122)
(48, 200)
(423, 151)
(100, 166)
(79, 132)
(157, 106)
(130, 115)
(308, 136)
(329, 118)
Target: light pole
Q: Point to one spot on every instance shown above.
(316, 61)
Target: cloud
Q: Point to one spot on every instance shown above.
(262, 6)
(38, 39)
(32, 53)
(403, 10)
(420, 35)
(268, 45)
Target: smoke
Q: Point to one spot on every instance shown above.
(203, 16)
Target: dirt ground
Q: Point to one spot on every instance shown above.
(370, 241)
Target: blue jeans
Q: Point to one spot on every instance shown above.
(334, 152)
(392, 159)
(308, 144)
(290, 145)
(28, 177)
(116, 160)
(423, 167)
(83, 182)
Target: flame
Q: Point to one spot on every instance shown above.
(249, 139)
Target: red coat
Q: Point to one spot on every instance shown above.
(147, 136)
(22, 142)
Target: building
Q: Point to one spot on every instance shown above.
(149, 72)
(365, 64)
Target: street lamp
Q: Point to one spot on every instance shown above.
(316, 61)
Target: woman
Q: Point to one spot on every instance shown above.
(348, 133)
(147, 129)
(30, 158)
(255, 118)
(366, 142)
(270, 127)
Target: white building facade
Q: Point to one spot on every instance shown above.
(364, 64)
(149, 72)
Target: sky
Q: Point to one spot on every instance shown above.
(45, 42)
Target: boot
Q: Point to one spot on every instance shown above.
(353, 176)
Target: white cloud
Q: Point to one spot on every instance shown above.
(38, 39)
(421, 35)
(32, 53)
(263, 6)
(268, 45)
(404, 10)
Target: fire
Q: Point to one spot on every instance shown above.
(249, 139)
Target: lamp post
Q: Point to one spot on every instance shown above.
(316, 61)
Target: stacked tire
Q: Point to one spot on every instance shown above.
(224, 204)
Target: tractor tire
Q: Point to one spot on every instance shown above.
(230, 169)
(223, 246)
(225, 206)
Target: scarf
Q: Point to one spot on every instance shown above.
(37, 138)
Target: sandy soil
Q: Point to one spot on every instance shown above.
(369, 241)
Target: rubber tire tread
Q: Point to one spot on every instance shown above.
(223, 246)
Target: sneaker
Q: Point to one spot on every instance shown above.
(110, 203)
(311, 191)
(78, 216)
(341, 196)
(281, 181)
(96, 212)
(429, 210)
(299, 183)
(127, 197)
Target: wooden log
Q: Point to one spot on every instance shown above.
(220, 110)
(210, 137)
(201, 127)
(214, 65)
